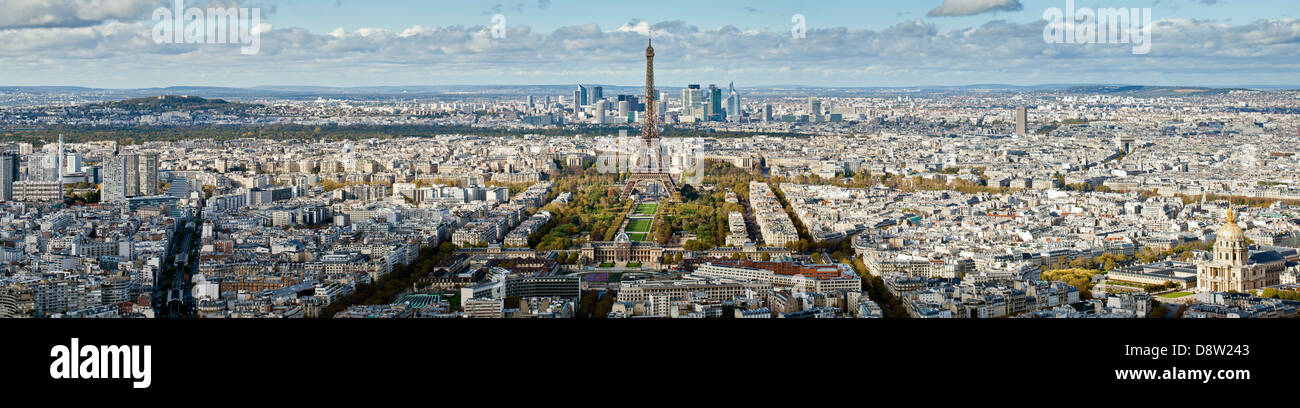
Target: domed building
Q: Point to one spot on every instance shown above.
(1234, 267)
(622, 251)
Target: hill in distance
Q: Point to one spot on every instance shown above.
(172, 103)
(1150, 91)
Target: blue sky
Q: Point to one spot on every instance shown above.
(107, 43)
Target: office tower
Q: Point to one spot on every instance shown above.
(692, 97)
(662, 101)
(600, 107)
(130, 175)
(72, 163)
(767, 112)
(733, 104)
(530, 101)
(686, 102)
(814, 109)
(597, 93)
(8, 175)
(715, 103)
(623, 109)
(697, 102)
(633, 103)
(1022, 121)
(148, 174)
(577, 102)
(113, 187)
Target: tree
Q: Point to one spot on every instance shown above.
(587, 305)
(604, 306)
(689, 193)
(695, 245)
(1159, 311)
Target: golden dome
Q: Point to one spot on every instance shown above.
(1231, 231)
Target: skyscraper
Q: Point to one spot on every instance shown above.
(633, 103)
(814, 109)
(733, 104)
(72, 163)
(148, 174)
(8, 175)
(113, 187)
(1022, 121)
(714, 103)
(600, 106)
(692, 98)
(130, 175)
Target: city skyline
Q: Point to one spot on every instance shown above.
(173, 170)
(1195, 43)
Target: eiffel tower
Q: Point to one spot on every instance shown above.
(650, 172)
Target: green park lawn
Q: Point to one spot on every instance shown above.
(646, 209)
(1175, 295)
(638, 237)
(638, 226)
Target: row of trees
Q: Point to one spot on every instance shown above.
(704, 213)
(891, 307)
(1275, 293)
(1077, 277)
(1181, 252)
(594, 213)
(865, 179)
(1257, 202)
(1104, 263)
(594, 305)
(1160, 310)
(386, 289)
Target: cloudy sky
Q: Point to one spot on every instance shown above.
(108, 43)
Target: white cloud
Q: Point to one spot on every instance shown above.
(952, 8)
(71, 13)
(909, 53)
